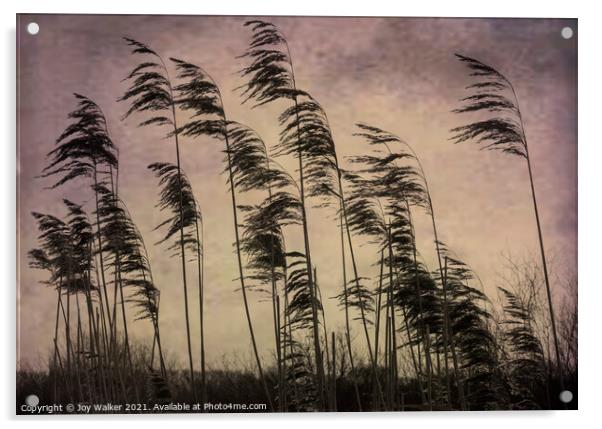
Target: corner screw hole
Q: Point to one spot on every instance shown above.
(566, 396)
(566, 33)
(32, 400)
(33, 28)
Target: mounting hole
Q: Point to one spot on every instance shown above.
(33, 28)
(566, 396)
(566, 32)
(32, 400)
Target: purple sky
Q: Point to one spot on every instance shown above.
(395, 73)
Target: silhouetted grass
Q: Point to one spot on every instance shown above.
(432, 339)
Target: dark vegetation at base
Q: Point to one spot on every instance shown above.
(243, 387)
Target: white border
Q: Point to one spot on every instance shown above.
(590, 159)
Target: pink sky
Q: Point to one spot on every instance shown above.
(395, 73)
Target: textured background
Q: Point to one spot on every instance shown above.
(396, 73)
